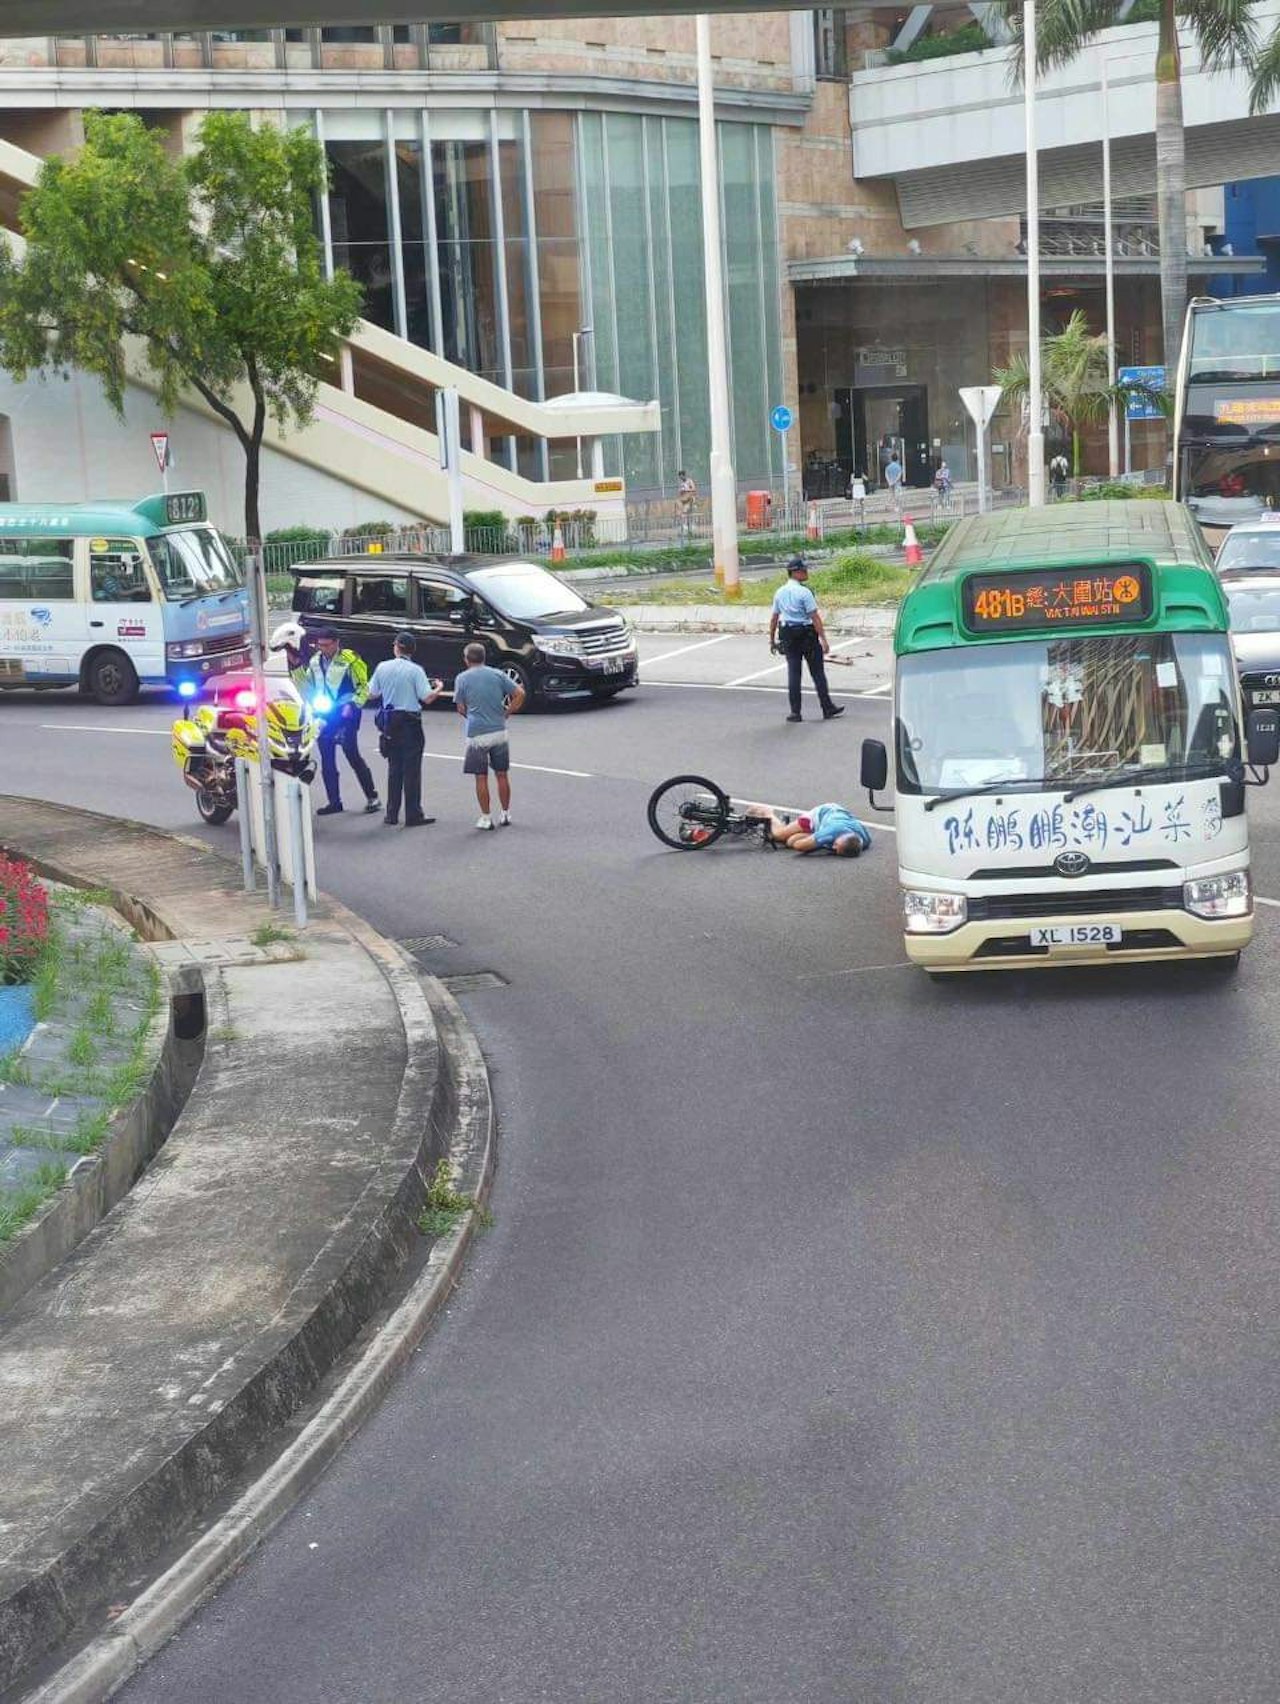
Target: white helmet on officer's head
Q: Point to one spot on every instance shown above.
(291, 633)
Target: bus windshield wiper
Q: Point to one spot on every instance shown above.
(1147, 777)
(1001, 786)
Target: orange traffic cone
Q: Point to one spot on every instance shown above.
(913, 556)
(557, 544)
(813, 532)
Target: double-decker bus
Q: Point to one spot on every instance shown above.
(1070, 752)
(1226, 452)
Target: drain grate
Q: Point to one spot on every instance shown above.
(471, 980)
(417, 944)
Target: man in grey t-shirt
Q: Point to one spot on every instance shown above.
(486, 697)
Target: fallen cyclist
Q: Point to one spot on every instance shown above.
(824, 828)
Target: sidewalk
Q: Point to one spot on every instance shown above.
(140, 1376)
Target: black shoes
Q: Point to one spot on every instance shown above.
(390, 822)
(418, 822)
(329, 810)
(372, 806)
(835, 710)
(795, 716)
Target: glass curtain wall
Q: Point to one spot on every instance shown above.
(600, 227)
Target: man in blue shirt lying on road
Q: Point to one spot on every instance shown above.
(825, 828)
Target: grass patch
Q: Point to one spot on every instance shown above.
(445, 1205)
(82, 1050)
(23, 1203)
(266, 934)
(852, 580)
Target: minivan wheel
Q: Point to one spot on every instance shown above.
(519, 676)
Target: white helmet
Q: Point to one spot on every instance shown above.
(290, 633)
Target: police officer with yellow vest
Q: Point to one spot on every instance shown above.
(336, 683)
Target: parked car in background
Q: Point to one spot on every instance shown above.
(1253, 598)
(1252, 545)
(533, 626)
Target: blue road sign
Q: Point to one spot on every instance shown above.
(782, 419)
(1138, 408)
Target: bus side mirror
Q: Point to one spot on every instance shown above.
(1262, 737)
(875, 770)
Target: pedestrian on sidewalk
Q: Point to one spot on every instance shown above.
(795, 628)
(486, 697)
(893, 478)
(686, 502)
(337, 686)
(401, 687)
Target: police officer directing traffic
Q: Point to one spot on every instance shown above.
(403, 690)
(796, 626)
(337, 684)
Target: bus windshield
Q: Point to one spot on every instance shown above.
(1063, 712)
(1223, 486)
(1235, 341)
(193, 563)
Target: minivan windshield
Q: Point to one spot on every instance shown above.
(525, 591)
(1252, 547)
(1066, 712)
(1254, 609)
(193, 563)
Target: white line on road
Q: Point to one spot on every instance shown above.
(729, 686)
(538, 768)
(698, 645)
(875, 691)
(96, 728)
(1259, 900)
(743, 679)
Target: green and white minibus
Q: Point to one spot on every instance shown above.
(110, 597)
(1069, 748)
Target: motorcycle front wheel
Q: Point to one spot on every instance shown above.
(211, 811)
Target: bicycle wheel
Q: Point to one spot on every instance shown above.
(688, 812)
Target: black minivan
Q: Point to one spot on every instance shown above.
(532, 625)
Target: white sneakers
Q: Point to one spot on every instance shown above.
(505, 819)
(484, 822)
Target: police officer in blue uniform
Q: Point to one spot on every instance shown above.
(796, 628)
(401, 687)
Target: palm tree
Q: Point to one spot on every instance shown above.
(1225, 34)
(1075, 376)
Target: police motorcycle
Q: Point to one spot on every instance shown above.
(207, 743)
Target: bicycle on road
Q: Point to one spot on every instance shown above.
(689, 813)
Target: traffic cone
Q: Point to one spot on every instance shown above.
(913, 556)
(813, 532)
(557, 544)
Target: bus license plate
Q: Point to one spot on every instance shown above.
(1077, 935)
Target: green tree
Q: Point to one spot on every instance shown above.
(206, 266)
(1075, 379)
(1224, 31)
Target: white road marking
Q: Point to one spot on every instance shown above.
(96, 728)
(731, 686)
(875, 691)
(743, 679)
(538, 768)
(698, 645)
(1259, 900)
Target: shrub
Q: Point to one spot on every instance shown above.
(297, 535)
(370, 529)
(1108, 491)
(24, 920)
(970, 38)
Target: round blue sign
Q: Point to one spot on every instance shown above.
(782, 419)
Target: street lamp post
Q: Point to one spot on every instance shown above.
(582, 331)
(1035, 394)
(724, 496)
(1113, 420)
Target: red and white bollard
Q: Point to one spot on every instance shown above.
(813, 532)
(913, 556)
(557, 544)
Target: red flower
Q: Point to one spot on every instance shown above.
(25, 904)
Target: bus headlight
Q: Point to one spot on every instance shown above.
(184, 648)
(1219, 896)
(932, 913)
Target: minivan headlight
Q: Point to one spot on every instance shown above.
(926, 913)
(1219, 896)
(558, 644)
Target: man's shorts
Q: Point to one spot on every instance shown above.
(485, 752)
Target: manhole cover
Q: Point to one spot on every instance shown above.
(417, 944)
(471, 980)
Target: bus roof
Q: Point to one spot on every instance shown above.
(1066, 536)
(108, 517)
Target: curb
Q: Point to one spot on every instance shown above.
(155, 1615)
(871, 621)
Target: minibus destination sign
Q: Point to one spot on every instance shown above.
(185, 506)
(1033, 600)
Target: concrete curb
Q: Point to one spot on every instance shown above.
(871, 621)
(156, 1614)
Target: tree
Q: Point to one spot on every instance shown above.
(1225, 33)
(1075, 378)
(210, 262)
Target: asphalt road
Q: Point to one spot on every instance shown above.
(841, 1336)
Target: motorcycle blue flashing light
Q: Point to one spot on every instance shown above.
(321, 702)
(187, 689)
